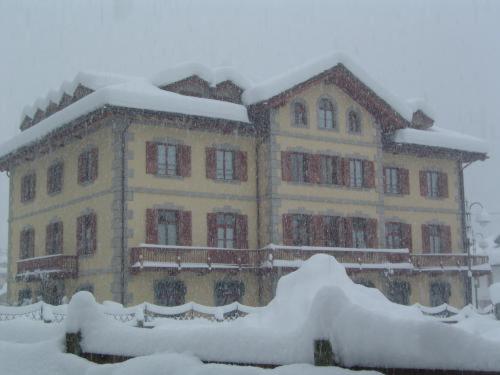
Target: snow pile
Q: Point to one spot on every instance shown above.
(439, 137)
(213, 76)
(317, 301)
(138, 94)
(495, 293)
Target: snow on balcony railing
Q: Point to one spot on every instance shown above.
(62, 265)
(151, 257)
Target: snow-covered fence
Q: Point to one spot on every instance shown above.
(145, 312)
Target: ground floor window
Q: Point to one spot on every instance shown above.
(440, 292)
(170, 292)
(24, 296)
(228, 291)
(399, 292)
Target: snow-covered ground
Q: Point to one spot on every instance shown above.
(318, 301)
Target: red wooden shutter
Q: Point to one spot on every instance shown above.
(286, 167)
(313, 168)
(184, 160)
(406, 239)
(347, 231)
(368, 174)
(61, 239)
(426, 243)
(423, 183)
(384, 179)
(79, 233)
(241, 232)
(151, 226)
(318, 231)
(210, 161)
(287, 230)
(446, 238)
(185, 228)
(151, 158)
(404, 180)
(241, 165)
(212, 230)
(48, 238)
(94, 160)
(371, 233)
(345, 172)
(93, 231)
(81, 166)
(32, 242)
(443, 185)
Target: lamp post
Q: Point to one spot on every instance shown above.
(482, 219)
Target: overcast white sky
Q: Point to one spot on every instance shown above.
(447, 52)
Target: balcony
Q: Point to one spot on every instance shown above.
(53, 266)
(158, 257)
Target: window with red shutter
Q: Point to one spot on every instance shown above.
(151, 158)
(212, 229)
(393, 235)
(406, 236)
(318, 231)
(287, 230)
(54, 238)
(88, 166)
(241, 166)
(184, 152)
(368, 174)
(286, 168)
(329, 169)
(210, 162)
(55, 178)
(443, 185)
(371, 233)
(426, 245)
(28, 187)
(241, 232)
(423, 183)
(151, 226)
(27, 243)
(185, 228)
(347, 231)
(346, 172)
(313, 170)
(86, 234)
(446, 239)
(404, 178)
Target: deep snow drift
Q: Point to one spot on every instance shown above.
(317, 301)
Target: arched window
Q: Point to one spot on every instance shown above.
(354, 122)
(326, 114)
(299, 114)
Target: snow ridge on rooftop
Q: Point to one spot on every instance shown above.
(89, 79)
(439, 137)
(135, 93)
(276, 85)
(213, 76)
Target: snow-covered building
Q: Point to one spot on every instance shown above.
(197, 184)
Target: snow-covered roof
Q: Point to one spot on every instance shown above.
(276, 85)
(439, 137)
(135, 93)
(213, 76)
(91, 80)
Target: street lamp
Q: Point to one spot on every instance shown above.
(483, 219)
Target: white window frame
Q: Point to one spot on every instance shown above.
(167, 159)
(356, 173)
(392, 180)
(224, 165)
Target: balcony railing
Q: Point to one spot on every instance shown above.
(155, 257)
(55, 266)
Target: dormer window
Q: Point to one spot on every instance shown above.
(299, 114)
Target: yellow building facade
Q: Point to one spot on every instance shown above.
(173, 205)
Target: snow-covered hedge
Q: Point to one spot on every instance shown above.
(318, 301)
